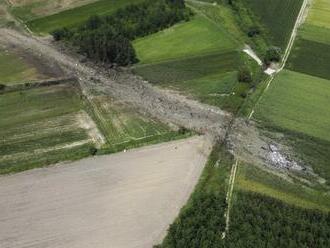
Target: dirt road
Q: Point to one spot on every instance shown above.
(121, 200)
(130, 89)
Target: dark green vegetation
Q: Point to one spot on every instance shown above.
(277, 16)
(108, 39)
(201, 222)
(310, 57)
(72, 17)
(260, 221)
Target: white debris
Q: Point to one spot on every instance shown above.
(279, 160)
(269, 71)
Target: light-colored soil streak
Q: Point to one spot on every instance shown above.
(122, 200)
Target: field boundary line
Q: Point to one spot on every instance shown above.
(229, 196)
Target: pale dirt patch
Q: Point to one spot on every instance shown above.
(86, 122)
(121, 200)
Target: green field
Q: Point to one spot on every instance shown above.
(76, 16)
(297, 102)
(14, 69)
(319, 13)
(310, 57)
(278, 17)
(251, 178)
(40, 122)
(196, 37)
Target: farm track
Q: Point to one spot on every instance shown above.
(125, 87)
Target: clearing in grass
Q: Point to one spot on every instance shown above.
(297, 102)
(196, 37)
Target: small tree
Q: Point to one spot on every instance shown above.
(244, 75)
(273, 54)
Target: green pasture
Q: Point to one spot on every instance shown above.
(76, 16)
(310, 57)
(196, 37)
(319, 13)
(14, 69)
(278, 16)
(297, 102)
(37, 122)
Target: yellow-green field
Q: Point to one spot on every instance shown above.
(297, 102)
(319, 13)
(194, 38)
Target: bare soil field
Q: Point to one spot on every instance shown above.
(122, 200)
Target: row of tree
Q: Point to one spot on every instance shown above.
(108, 39)
(260, 221)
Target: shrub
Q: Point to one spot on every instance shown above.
(244, 75)
(273, 54)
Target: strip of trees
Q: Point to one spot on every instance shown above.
(109, 39)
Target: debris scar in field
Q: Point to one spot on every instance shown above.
(87, 123)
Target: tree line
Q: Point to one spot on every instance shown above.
(109, 39)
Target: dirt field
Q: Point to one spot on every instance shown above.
(122, 200)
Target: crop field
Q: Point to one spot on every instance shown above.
(310, 57)
(278, 16)
(50, 124)
(15, 67)
(181, 41)
(75, 16)
(38, 126)
(297, 102)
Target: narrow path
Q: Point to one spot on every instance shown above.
(229, 196)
